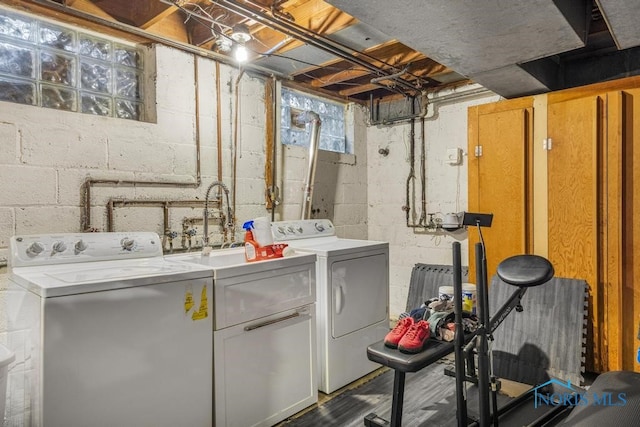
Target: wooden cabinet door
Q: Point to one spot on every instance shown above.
(621, 235)
(576, 128)
(499, 169)
(586, 200)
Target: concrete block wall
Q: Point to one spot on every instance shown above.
(46, 155)
(446, 188)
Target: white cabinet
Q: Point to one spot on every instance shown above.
(264, 341)
(265, 369)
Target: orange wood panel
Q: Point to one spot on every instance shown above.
(630, 286)
(499, 179)
(574, 127)
(612, 256)
(594, 89)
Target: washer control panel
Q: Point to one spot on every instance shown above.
(302, 229)
(67, 248)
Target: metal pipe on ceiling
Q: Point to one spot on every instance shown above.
(389, 77)
(141, 34)
(311, 38)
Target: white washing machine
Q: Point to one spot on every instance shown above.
(117, 336)
(352, 280)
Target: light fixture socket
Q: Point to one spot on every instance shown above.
(241, 33)
(223, 44)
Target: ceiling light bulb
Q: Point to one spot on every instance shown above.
(241, 53)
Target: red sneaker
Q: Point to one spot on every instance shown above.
(413, 341)
(393, 337)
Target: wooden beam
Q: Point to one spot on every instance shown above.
(391, 53)
(355, 90)
(423, 68)
(315, 15)
(339, 77)
(159, 17)
(171, 26)
(58, 13)
(89, 7)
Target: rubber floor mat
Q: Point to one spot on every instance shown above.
(548, 338)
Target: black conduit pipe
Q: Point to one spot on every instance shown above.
(483, 331)
(461, 398)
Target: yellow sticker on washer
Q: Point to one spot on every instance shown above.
(188, 301)
(203, 310)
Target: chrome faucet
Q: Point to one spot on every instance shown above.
(229, 224)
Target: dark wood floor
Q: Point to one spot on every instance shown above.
(429, 400)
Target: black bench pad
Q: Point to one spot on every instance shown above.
(395, 359)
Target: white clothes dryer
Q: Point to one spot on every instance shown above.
(352, 279)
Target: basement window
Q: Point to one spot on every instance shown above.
(54, 66)
(332, 117)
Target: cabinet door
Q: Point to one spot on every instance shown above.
(499, 169)
(630, 230)
(265, 369)
(575, 127)
(621, 237)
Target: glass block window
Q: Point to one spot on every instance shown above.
(54, 66)
(332, 117)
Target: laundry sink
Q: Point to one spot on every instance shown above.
(249, 290)
(231, 262)
(215, 259)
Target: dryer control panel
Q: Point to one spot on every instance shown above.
(302, 229)
(64, 248)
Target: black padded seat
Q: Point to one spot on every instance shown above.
(434, 350)
(525, 270)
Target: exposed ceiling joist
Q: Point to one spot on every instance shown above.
(343, 47)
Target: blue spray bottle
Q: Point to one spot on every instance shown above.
(250, 245)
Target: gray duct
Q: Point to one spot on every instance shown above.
(314, 119)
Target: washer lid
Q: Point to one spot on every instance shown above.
(69, 279)
(107, 274)
(327, 246)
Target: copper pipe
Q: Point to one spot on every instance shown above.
(165, 219)
(85, 220)
(165, 204)
(219, 121)
(196, 78)
(235, 144)
(89, 182)
(110, 215)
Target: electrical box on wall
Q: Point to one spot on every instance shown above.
(454, 156)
